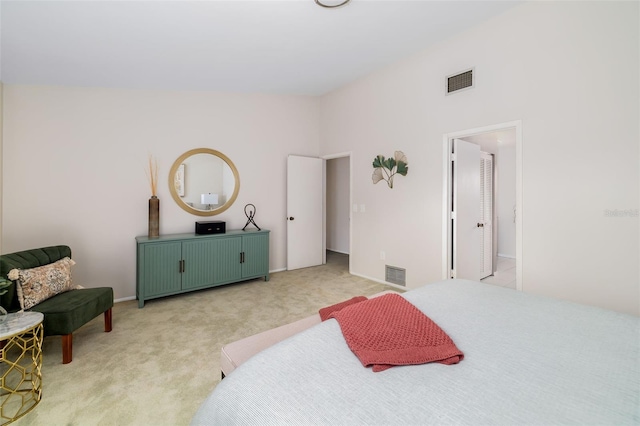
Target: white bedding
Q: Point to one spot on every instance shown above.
(527, 360)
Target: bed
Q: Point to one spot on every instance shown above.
(527, 360)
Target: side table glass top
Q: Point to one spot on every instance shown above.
(18, 322)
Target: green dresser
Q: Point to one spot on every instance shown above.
(177, 263)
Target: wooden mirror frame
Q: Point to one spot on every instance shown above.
(184, 206)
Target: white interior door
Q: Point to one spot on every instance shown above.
(486, 214)
(466, 238)
(304, 212)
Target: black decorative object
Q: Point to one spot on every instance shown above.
(250, 214)
(212, 227)
(319, 3)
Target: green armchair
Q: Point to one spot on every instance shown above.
(66, 312)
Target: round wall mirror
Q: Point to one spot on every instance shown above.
(204, 182)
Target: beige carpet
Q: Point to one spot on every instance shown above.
(160, 362)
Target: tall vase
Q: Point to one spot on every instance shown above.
(154, 217)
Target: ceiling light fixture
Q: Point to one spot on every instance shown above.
(331, 6)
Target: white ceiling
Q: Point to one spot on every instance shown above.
(291, 46)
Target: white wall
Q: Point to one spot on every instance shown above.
(74, 158)
(74, 167)
(569, 71)
(338, 209)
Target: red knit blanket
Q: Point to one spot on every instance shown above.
(325, 312)
(388, 330)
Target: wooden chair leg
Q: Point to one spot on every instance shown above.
(107, 320)
(67, 348)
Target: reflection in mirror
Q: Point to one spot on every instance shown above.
(204, 182)
(207, 183)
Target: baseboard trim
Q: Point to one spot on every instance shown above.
(338, 251)
(381, 281)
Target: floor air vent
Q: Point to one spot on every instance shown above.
(463, 80)
(395, 275)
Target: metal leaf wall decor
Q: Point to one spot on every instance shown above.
(386, 169)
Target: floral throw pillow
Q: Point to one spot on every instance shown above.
(38, 284)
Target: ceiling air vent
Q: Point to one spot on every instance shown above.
(461, 81)
(395, 275)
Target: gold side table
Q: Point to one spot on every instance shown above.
(21, 337)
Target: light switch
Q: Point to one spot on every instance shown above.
(361, 208)
(355, 208)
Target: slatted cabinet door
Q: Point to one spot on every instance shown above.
(161, 269)
(255, 256)
(227, 266)
(198, 263)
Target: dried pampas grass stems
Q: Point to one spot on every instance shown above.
(152, 174)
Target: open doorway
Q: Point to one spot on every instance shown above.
(318, 210)
(465, 251)
(338, 210)
(498, 205)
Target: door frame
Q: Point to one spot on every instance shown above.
(447, 188)
(324, 202)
